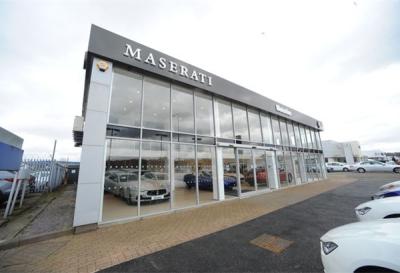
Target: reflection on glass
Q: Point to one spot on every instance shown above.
(225, 128)
(292, 139)
(297, 135)
(289, 166)
(204, 115)
(207, 164)
(261, 169)
(266, 129)
(121, 176)
(155, 190)
(284, 168)
(184, 176)
(240, 122)
(246, 170)
(304, 140)
(296, 166)
(276, 131)
(284, 132)
(309, 140)
(309, 166)
(126, 98)
(156, 110)
(255, 126)
(230, 181)
(182, 109)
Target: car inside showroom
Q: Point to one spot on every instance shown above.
(161, 135)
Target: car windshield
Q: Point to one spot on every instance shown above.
(128, 177)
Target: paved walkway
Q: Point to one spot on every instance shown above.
(108, 246)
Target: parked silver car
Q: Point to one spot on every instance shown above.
(374, 166)
(125, 184)
(337, 167)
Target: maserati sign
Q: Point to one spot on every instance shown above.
(165, 64)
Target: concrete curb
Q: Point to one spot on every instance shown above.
(16, 242)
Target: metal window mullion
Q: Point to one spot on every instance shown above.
(233, 123)
(172, 196)
(254, 169)
(140, 149)
(261, 127)
(239, 184)
(248, 123)
(195, 149)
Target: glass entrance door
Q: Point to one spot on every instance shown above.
(229, 165)
(246, 170)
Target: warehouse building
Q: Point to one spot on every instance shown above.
(159, 135)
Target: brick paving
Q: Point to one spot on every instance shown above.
(108, 246)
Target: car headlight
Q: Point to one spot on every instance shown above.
(363, 211)
(328, 247)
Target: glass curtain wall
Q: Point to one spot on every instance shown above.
(207, 173)
(225, 122)
(183, 176)
(161, 152)
(267, 129)
(240, 122)
(121, 179)
(247, 181)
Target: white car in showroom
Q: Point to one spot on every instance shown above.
(374, 166)
(371, 246)
(378, 209)
(337, 167)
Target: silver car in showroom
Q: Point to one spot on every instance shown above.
(125, 184)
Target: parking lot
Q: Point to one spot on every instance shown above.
(231, 250)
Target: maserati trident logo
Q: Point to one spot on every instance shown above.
(102, 66)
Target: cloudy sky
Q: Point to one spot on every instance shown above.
(337, 61)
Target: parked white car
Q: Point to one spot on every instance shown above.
(374, 166)
(390, 185)
(389, 192)
(337, 167)
(378, 209)
(372, 246)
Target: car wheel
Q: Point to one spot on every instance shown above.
(345, 169)
(361, 170)
(290, 178)
(396, 170)
(121, 194)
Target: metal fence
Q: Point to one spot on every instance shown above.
(46, 174)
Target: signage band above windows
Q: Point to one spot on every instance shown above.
(283, 110)
(165, 64)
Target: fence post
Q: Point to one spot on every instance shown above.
(6, 212)
(15, 195)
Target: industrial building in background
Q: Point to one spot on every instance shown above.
(346, 152)
(159, 135)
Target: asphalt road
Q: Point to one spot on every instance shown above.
(230, 250)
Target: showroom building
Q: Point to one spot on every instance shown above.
(158, 135)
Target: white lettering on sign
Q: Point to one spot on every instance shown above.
(163, 63)
(283, 110)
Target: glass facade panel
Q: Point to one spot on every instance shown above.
(165, 175)
(255, 126)
(121, 183)
(184, 176)
(262, 179)
(292, 138)
(204, 115)
(156, 109)
(284, 133)
(240, 121)
(303, 137)
(207, 171)
(266, 129)
(126, 98)
(182, 109)
(276, 131)
(155, 188)
(225, 128)
(247, 182)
